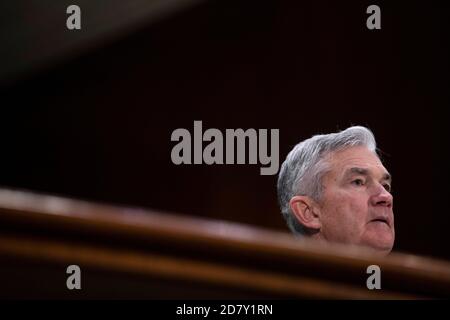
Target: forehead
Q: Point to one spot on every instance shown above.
(360, 157)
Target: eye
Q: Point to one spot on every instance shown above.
(387, 186)
(358, 182)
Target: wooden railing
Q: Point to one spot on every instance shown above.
(134, 253)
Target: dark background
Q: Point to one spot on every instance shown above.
(97, 125)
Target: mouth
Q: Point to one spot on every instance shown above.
(382, 220)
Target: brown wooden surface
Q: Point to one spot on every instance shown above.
(172, 256)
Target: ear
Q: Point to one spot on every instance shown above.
(306, 211)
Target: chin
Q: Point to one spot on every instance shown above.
(380, 242)
(383, 251)
(382, 248)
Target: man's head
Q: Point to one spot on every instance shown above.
(334, 187)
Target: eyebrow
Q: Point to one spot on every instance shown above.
(365, 172)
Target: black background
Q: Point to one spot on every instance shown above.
(98, 126)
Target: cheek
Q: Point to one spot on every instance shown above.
(358, 206)
(345, 213)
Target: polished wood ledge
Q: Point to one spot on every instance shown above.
(136, 253)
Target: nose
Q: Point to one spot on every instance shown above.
(381, 197)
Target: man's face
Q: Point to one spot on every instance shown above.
(356, 205)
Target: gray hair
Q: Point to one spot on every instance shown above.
(302, 171)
